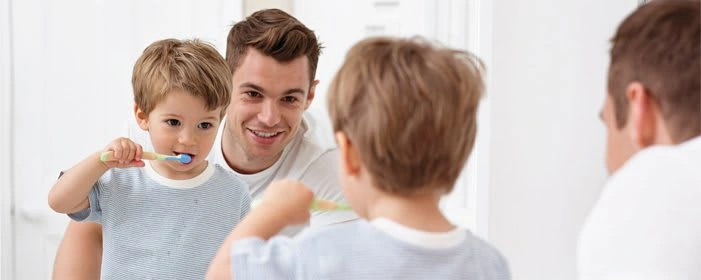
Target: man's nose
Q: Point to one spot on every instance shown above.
(269, 113)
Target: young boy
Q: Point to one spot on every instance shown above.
(404, 116)
(164, 219)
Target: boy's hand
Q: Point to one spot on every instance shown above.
(289, 200)
(126, 153)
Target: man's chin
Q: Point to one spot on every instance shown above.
(258, 152)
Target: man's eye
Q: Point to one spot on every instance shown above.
(173, 122)
(289, 99)
(252, 94)
(205, 125)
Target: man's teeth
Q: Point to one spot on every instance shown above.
(265, 134)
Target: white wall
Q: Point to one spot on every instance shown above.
(547, 144)
(6, 264)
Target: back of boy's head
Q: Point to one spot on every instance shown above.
(409, 109)
(659, 45)
(189, 65)
(274, 33)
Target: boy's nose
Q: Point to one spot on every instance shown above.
(269, 113)
(187, 137)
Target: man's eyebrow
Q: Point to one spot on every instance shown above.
(260, 89)
(251, 85)
(294, 91)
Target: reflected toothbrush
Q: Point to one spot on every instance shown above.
(183, 158)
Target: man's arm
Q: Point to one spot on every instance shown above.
(79, 255)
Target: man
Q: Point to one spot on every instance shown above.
(647, 222)
(265, 137)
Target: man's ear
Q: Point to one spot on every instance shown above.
(350, 161)
(642, 115)
(310, 95)
(141, 117)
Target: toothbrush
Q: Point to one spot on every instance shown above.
(183, 158)
(319, 205)
(328, 205)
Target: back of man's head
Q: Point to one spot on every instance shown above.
(274, 33)
(409, 109)
(658, 46)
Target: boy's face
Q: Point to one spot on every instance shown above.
(619, 146)
(267, 103)
(180, 124)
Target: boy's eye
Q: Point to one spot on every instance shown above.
(289, 99)
(205, 125)
(173, 122)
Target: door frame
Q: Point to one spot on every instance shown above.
(468, 25)
(6, 164)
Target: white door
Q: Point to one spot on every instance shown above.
(71, 67)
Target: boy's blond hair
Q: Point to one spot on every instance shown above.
(409, 108)
(190, 65)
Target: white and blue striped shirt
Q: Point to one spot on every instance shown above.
(364, 250)
(158, 228)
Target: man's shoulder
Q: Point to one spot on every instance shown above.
(661, 165)
(317, 132)
(307, 148)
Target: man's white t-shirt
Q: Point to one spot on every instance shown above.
(647, 222)
(304, 159)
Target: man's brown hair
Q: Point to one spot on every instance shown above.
(275, 33)
(658, 46)
(409, 108)
(189, 65)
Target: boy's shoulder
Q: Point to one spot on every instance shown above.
(223, 173)
(360, 240)
(124, 175)
(353, 233)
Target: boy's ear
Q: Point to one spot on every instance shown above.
(310, 95)
(641, 116)
(141, 117)
(350, 161)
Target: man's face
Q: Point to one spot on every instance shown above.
(268, 100)
(619, 144)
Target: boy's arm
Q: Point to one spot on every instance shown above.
(284, 203)
(79, 255)
(70, 193)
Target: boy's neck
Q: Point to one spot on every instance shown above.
(419, 212)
